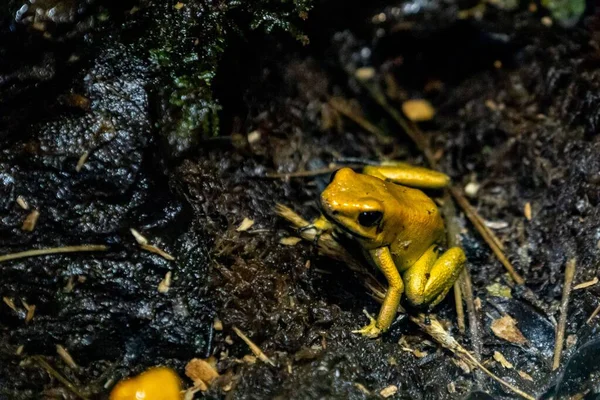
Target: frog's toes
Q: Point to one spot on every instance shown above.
(371, 330)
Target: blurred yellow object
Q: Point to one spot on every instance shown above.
(158, 383)
(418, 110)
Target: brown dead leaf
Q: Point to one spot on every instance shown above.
(506, 328)
(201, 372)
(290, 241)
(502, 360)
(525, 376)
(245, 225)
(419, 354)
(466, 368)
(22, 203)
(389, 391)
(30, 221)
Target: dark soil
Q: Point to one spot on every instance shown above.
(518, 109)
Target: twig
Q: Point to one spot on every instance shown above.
(460, 311)
(53, 250)
(564, 303)
(59, 377)
(255, 349)
(305, 174)
(341, 105)
(489, 237)
(453, 239)
(435, 329)
(66, 356)
(409, 127)
(593, 315)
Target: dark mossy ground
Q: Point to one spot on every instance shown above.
(517, 106)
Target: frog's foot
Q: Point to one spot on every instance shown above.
(371, 330)
(320, 226)
(318, 233)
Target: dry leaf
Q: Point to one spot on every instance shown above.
(156, 250)
(139, 238)
(22, 203)
(389, 391)
(584, 285)
(245, 225)
(418, 110)
(525, 376)
(451, 387)
(466, 368)
(10, 303)
(527, 211)
(290, 241)
(30, 311)
(362, 388)
(506, 328)
(502, 360)
(419, 354)
(200, 371)
(218, 325)
(248, 359)
(30, 221)
(477, 303)
(165, 284)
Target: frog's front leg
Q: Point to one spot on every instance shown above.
(430, 278)
(408, 175)
(320, 225)
(384, 261)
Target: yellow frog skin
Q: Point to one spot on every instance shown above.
(157, 383)
(399, 229)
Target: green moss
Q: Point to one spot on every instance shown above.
(566, 12)
(184, 47)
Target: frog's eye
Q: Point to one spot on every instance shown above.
(369, 218)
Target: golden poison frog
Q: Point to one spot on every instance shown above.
(159, 383)
(399, 228)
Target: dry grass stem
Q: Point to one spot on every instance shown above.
(441, 336)
(66, 357)
(564, 304)
(253, 347)
(593, 315)
(53, 250)
(54, 373)
(156, 250)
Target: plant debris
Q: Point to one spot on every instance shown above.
(505, 328)
(255, 349)
(31, 221)
(245, 225)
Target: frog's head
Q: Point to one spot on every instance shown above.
(356, 205)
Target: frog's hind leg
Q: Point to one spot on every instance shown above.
(428, 281)
(408, 175)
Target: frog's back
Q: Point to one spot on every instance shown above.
(418, 225)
